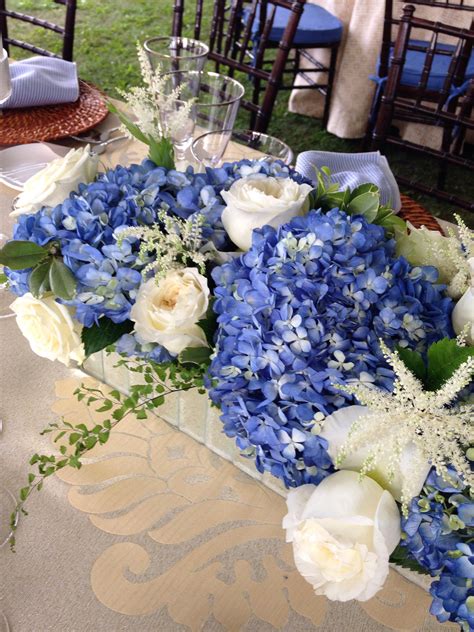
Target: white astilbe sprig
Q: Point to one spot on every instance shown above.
(410, 415)
(148, 101)
(461, 338)
(170, 244)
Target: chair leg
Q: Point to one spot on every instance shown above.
(443, 164)
(257, 86)
(374, 110)
(331, 74)
(382, 124)
(3, 26)
(448, 131)
(255, 99)
(296, 65)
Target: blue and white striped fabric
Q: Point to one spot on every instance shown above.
(351, 170)
(42, 81)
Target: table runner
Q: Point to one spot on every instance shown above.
(159, 534)
(357, 59)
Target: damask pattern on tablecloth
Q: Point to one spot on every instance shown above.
(190, 532)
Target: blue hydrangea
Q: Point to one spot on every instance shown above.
(87, 222)
(453, 592)
(437, 519)
(298, 313)
(438, 532)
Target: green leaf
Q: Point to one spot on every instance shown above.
(444, 358)
(103, 438)
(366, 187)
(366, 204)
(107, 405)
(3, 278)
(61, 280)
(39, 278)
(401, 557)
(18, 255)
(74, 438)
(195, 355)
(311, 201)
(209, 323)
(90, 442)
(330, 200)
(393, 224)
(118, 414)
(414, 362)
(383, 213)
(161, 152)
(105, 333)
(24, 491)
(132, 128)
(74, 462)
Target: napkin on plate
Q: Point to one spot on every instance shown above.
(42, 81)
(351, 170)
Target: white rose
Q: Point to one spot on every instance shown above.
(463, 312)
(412, 465)
(49, 328)
(343, 532)
(255, 201)
(167, 312)
(463, 316)
(56, 181)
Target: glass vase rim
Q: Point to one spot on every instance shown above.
(169, 38)
(234, 132)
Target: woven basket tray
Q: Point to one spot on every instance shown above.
(418, 216)
(27, 125)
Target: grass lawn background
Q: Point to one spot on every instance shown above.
(106, 35)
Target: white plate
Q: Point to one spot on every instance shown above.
(21, 162)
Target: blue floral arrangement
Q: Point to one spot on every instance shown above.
(317, 317)
(301, 312)
(85, 225)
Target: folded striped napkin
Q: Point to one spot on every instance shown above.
(351, 170)
(42, 81)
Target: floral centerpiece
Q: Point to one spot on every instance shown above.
(316, 323)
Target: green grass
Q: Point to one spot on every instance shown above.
(106, 35)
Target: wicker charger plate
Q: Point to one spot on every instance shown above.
(412, 212)
(48, 122)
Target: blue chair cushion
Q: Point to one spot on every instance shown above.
(415, 60)
(317, 26)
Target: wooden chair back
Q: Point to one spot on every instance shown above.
(66, 32)
(230, 39)
(391, 21)
(460, 5)
(453, 106)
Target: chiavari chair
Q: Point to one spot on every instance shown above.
(449, 107)
(66, 32)
(240, 36)
(415, 55)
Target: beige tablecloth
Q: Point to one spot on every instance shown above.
(157, 533)
(358, 53)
